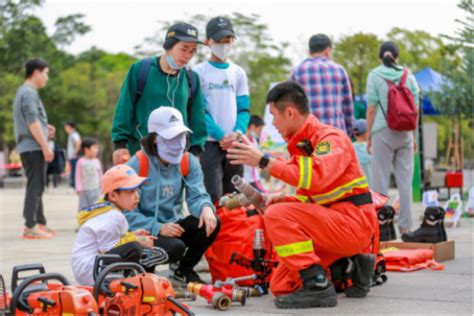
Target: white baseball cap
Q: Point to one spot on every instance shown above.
(167, 122)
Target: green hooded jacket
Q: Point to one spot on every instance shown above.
(161, 89)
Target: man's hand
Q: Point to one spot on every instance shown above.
(244, 153)
(209, 218)
(47, 153)
(120, 156)
(171, 230)
(228, 139)
(369, 145)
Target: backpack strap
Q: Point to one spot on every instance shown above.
(404, 78)
(142, 77)
(143, 164)
(184, 165)
(192, 91)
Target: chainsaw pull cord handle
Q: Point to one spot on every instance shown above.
(19, 300)
(119, 266)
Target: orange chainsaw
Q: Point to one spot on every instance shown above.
(37, 296)
(135, 292)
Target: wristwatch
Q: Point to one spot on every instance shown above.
(263, 163)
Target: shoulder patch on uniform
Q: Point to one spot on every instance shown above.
(323, 148)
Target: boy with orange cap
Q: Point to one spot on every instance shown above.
(104, 228)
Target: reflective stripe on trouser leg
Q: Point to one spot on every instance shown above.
(294, 248)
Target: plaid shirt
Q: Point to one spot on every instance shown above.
(329, 91)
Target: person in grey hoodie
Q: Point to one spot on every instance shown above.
(391, 150)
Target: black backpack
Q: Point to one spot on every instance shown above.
(143, 75)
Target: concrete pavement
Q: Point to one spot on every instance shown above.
(422, 292)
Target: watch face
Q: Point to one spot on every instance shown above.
(263, 161)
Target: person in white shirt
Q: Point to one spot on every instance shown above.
(225, 88)
(104, 228)
(252, 174)
(88, 174)
(72, 149)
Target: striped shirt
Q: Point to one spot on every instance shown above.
(329, 91)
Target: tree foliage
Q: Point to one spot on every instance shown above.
(359, 54)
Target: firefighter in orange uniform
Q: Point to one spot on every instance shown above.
(332, 215)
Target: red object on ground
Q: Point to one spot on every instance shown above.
(407, 260)
(454, 179)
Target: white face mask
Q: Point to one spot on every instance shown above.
(171, 150)
(222, 51)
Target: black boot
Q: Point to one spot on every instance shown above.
(361, 275)
(432, 228)
(385, 215)
(317, 291)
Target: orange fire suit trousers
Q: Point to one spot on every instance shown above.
(305, 234)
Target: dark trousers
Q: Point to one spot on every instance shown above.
(190, 247)
(72, 175)
(218, 171)
(56, 178)
(129, 252)
(35, 169)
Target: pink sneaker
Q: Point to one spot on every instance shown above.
(35, 233)
(47, 229)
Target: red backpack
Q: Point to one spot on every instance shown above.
(402, 113)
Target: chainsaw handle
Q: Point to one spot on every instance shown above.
(178, 307)
(18, 297)
(111, 268)
(22, 268)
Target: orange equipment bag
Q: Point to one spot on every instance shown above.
(236, 235)
(407, 260)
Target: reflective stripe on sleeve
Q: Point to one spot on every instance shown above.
(306, 172)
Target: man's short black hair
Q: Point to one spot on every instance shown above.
(88, 143)
(289, 91)
(70, 123)
(318, 43)
(34, 64)
(256, 121)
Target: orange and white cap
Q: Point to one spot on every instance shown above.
(121, 177)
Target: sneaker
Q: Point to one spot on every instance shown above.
(47, 229)
(187, 276)
(35, 233)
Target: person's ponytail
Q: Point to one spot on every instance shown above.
(389, 53)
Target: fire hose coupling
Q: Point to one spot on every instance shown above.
(220, 297)
(248, 195)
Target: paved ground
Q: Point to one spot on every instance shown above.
(422, 292)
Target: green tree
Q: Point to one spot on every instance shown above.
(23, 36)
(455, 100)
(358, 53)
(263, 60)
(419, 49)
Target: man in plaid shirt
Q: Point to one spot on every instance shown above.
(327, 85)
